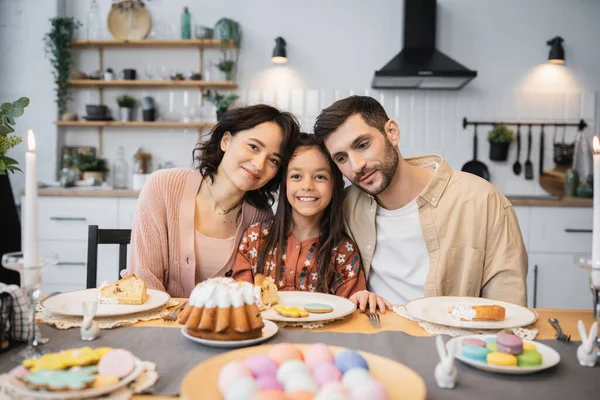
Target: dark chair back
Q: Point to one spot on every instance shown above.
(96, 236)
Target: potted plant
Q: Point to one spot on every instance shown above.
(221, 101)
(58, 50)
(500, 139)
(126, 105)
(8, 113)
(230, 32)
(91, 167)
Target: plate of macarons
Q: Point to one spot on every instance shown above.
(504, 353)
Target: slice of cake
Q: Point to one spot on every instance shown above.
(464, 312)
(266, 291)
(130, 290)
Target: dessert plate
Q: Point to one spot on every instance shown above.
(550, 357)
(435, 309)
(341, 306)
(268, 331)
(69, 303)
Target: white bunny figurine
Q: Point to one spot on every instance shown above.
(90, 329)
(587, 352)
(445, 371)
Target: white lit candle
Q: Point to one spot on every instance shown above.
(596, 232)
(30, 231)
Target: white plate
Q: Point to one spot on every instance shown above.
(18, 388)
(435, 309)
(341, 306)
(549, 358)
(268, 331)
(69, 303)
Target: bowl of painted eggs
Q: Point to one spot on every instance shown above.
(504, 353)
(302, 372)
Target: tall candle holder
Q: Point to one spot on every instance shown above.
(593, 267)
(31, 280)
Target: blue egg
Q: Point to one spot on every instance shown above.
(475, 353)
(348, 359)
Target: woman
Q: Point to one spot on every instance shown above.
(189, 222)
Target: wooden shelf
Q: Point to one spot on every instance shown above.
(136, 124)
(140, 83)
(197, 43)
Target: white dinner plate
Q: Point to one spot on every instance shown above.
(550, 357)
(15, 386)
(268, 331)
(435, 309)
(341, 306)
(69, 303)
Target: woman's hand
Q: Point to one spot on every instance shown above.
(365, 298)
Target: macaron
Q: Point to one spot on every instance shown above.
(529, 358)
(475, 353)
(474, 342)
(502, 359)
(509, 343)
(491, 346)
(529, 346)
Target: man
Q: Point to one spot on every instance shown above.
(422, 229)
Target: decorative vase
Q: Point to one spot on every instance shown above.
(499, 151)
(99, 176)
(125, 114)
(226, 75)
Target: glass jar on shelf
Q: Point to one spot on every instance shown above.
(120, 173)
(94, 22)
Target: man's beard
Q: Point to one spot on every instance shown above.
(387, 168)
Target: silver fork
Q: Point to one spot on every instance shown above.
(374, 319)
(172, 316)
(560, 335)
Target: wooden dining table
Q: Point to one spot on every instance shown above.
(358, 322)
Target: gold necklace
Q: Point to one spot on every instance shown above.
(223, 211)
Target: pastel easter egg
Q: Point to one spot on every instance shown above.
(355, 377)
(348, 359)
(325, 373)
(244, 388)
(230, 373)
(333, 391)
(300, 395)
(269, 383)
(261, 365)
(283, 352)
(292, 368)
(318, 354)
(270, 395)
(300, 382)
(371, 390)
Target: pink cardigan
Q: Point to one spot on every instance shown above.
(162, 238)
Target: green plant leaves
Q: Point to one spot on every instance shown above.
(24, 101)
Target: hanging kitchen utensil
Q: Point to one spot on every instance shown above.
(517, 165)
(528, 164)
(582, 155)
(542, 143)
(563, 152)
(474, 166)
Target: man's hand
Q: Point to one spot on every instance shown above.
(364, 298)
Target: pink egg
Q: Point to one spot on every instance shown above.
(267, 382)
(229, 373)
(333, 391)
(260, 366)
(318, 354)
(372, 390)
(283, 352)
(270, 395)
(325, 373)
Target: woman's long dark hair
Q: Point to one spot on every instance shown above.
(208, 155)
(331, 224)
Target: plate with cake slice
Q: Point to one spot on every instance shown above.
(125, 296)
(470, 312)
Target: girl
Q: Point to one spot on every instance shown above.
(189, 222)
(304, 247)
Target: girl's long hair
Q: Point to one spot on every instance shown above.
(331, 224)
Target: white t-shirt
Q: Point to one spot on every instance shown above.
(401, 261)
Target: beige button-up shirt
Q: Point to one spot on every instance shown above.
(471, 233)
